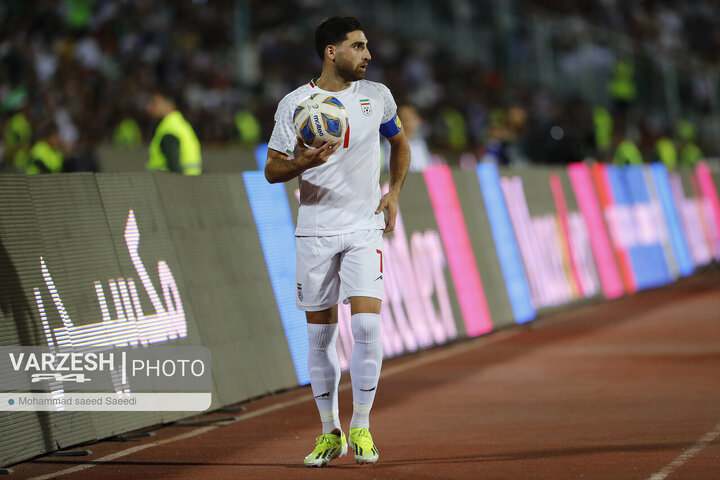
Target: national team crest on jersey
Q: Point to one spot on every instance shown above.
(366, 107)
(299, 292)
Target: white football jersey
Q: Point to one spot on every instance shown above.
(342, 195)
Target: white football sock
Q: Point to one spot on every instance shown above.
(365, 365)
(324, 369)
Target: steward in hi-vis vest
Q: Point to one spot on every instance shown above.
(627, 153)
(175, 147)
(44, 159)
(18, 140)
(666, 152)
(45, 155)
(689, 153)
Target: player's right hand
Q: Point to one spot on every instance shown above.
(314, 157)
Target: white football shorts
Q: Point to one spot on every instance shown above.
(331, 269)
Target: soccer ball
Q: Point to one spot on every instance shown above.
(320, 118)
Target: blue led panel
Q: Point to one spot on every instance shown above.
(647, 259)
(271, 212)
(506, 246)
(677, 236)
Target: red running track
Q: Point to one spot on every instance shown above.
(628, 389)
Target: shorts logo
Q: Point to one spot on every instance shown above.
(366, 107)
(299, 292)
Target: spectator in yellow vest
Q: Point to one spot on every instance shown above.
(621, 88)
(455, 128)
(248, 127)
(626, 150)
(18, 140)
(127, 134)
(603, 122)
(175, 146)
(690, 153)
(46, 155)
(622, 83)
(666, 152)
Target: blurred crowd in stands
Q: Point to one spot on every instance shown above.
(675, 26)
(79, 73)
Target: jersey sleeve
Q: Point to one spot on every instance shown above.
(283, 138)
(390, 124)
(390, 106)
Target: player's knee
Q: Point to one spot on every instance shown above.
(365, 327)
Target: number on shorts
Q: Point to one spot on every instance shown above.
(380, 253)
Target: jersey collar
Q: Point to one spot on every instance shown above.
(313, 84)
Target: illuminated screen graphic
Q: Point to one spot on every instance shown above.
(691, 211)
(711, 204)
(590, 207)
(637, 226)
(539, 248)
(260, 153)
(571, 256)
(454, 234)
(677, 239)
(618, 224)
(546, 260)
(273, 219)
(505, 244)
(131, 326)
(554, 248)
(582, 252)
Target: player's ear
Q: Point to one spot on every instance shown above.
(330, 52)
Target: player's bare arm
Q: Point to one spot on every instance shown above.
(279, 169)
(399, 165)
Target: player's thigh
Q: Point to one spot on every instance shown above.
(365, 305)
(361, 267)
(329, 315)
(317, 283)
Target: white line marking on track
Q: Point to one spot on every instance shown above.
(430, 356)
(706, 440)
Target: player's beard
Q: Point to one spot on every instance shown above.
(347, 71)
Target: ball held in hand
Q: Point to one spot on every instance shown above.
(319, 118)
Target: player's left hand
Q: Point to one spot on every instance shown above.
(389, 202)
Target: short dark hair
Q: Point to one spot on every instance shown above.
(334, 30)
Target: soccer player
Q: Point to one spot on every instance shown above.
(339, 228)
